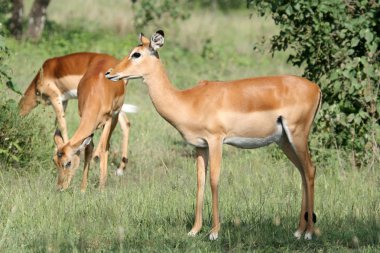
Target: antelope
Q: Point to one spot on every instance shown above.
(95, 112)
(57, 82)
(247, 113)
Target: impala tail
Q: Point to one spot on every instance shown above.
(29, 99)
(129, 108)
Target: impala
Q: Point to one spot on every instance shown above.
(57, 82)
(247, 113)
(95, 112)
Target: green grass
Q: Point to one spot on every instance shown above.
(151, 208)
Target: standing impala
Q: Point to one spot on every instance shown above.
(95, 112)
(57, 82)
(247, 113)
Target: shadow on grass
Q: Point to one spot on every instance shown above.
(169, 234)
(339, 234)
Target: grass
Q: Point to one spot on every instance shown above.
(151, 208)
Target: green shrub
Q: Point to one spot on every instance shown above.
(338, 44)
(22, 140)
(147, 11)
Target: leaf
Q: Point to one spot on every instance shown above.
(289, 10)
(368, 36)
(354, 42)
(350, 117)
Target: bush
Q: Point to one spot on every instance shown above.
(338, 44)
(22, 140)
(147, 11)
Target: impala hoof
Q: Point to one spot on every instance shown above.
(308, 236)
(213, 236)
(119, 172)
(298, 234)
(192, 233)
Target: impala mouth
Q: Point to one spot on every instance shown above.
(114, 78)
(119, 77)
(67, 165)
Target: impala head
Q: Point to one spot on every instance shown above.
(29, 99)
(141, 61)
(66, 159)
(33, 95)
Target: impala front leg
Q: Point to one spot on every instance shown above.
(103, 154)
(104, 149)
(215, 149)
(87, 160)
(202, 158)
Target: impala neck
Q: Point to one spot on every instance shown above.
(165, 97)
(85, 129)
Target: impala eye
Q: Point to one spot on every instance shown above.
(38, 93)
(136, 55)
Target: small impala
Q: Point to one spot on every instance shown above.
(57, 82)
(247, 113)
(95, 112)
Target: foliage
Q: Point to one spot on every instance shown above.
(225, 5)
(147, 11)
(338, 43)
(5, 78)
(5, 9)
(20, 144)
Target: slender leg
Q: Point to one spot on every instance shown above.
(87, 160)
(298, 153)
(290, 153)
(96, 153)
(215, 154)
(125, 127)
(59, 109)
(202, 159)
(310, 176)
(64, 104)
(104, 148)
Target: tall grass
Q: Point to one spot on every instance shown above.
(151, 208)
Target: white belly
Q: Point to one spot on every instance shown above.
(248, 142)
(69, 95)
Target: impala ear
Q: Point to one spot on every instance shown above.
(84, 144)
(58, 139)
(144, 40)
(157, 40)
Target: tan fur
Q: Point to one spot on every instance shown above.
(56, 77)
(256, 111)
(99, 104)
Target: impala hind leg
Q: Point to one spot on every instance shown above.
(59, 109)
(215, 153)
(96, 153)
(87, 160)
(297, 152)
(125, 127)
(202, 159)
